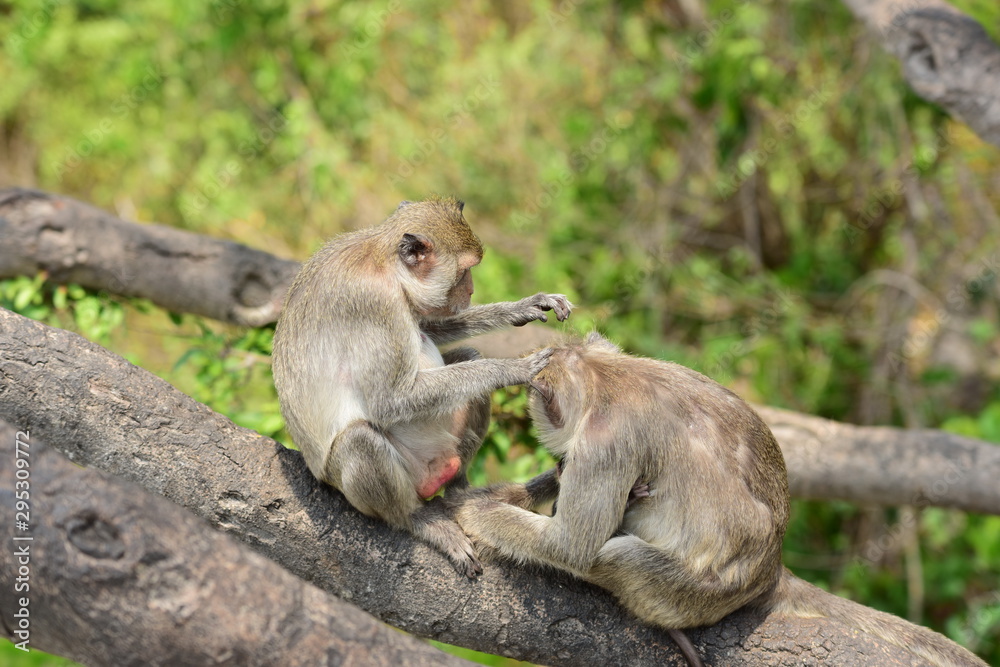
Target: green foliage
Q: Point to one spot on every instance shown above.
(756, 194)
(94, 316)
(11, 655)
(231, 375)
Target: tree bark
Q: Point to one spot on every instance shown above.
(947, 57)
(828, 460)
(111, 575)
(178, 270)
(103, 412)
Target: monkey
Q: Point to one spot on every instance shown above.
(671, 493)
(376, 409)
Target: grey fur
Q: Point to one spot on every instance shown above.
(375, 409)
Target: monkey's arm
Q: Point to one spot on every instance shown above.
(537, 490)
(441, 390)
(483, 319)
(591, 499)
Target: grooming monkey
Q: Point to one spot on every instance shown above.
(706, 538)
(377, 411)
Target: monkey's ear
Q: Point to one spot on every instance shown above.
(597, 340)
(550, 402)
(461, 205)
(414, 249)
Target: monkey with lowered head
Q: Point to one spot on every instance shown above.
(376, 409)
(706, 538)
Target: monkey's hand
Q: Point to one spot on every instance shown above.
(639, 490)
(535, 362)
(534, 307)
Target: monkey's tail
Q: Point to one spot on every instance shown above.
(796, 597)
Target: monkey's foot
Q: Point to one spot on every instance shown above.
(434, 524)
(639, 490)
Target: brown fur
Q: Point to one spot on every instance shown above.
(706, 541)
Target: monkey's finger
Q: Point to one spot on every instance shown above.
(563, 308)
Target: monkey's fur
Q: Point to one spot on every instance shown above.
(377, 411)
(707, 539)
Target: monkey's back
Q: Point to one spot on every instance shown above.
(719, 494)
(340, 329)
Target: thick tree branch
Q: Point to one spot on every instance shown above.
(103, 412)
(113, 575)
(180, 271)
(884, 465)
(946, 56)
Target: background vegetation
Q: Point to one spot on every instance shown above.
(747, 188)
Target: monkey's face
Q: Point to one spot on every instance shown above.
(437, 281)
(460, 290)
(557, 399)
(565, 392)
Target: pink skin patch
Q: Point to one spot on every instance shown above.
(439, 478)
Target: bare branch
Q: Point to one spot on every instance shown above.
(178, 270)
(103, 412)
(947, 57)
(886, 466)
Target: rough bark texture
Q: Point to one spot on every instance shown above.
(180, 271)
(103, 412)
(886, 466)
(117, 576)
(946, 56)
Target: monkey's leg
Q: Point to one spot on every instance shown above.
(656, 586)
(642, 578)
(371, 474)
(470, 422)
(374, 479)
(537, 490)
